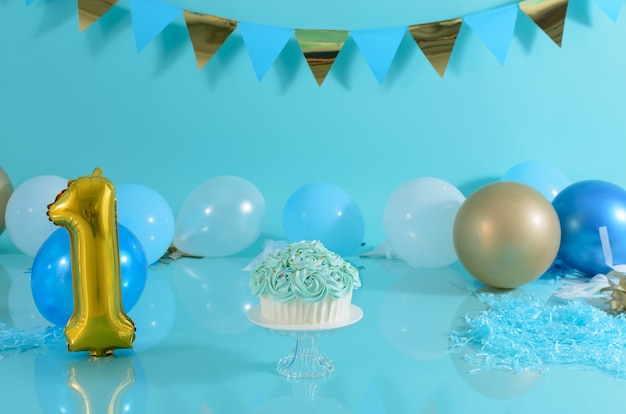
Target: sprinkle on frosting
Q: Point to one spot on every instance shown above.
(304, 270)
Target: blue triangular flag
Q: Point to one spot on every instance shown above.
(610, 7)
(379, 47)
(495, 27)
(149, 18)
(264, 44)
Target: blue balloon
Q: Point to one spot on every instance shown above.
(51, 277)
(324, 212)
(583, 208)
(543, 177)
(148, 216)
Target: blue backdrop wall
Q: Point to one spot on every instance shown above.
(70, 101)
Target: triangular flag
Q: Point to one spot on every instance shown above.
(379, 47)
(149, 18)
(264, 44)
(495, 27)
(208, 33)
(320, 48)
(91, 10)
(437, 41)
(610, 7)
(549, 15)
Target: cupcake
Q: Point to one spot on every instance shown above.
(304, 283)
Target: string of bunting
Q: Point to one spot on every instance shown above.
(320, 48)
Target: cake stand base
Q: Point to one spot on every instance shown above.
(305, 360)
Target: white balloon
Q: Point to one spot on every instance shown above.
(221, 217)
(418, 220)
(26, 217)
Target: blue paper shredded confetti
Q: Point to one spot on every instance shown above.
(21, 340)
(522, 333)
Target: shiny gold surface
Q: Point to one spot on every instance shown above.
(320, 48)
(617, 301)
(549, 15)
(100, 384)
(91, 10)
(506, 234)
(437, 40)
(208, 33)
(87, 209)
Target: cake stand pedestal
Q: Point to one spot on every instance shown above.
(305, 361)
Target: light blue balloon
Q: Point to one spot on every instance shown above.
(324, 212)
(51, 277)
(155, 311)
(148, 216)
(542, 176)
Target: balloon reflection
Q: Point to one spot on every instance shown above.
(215, 292)
(304, 399)
(154, 312)
(418, 309)
(501, 384)
(5, 285)
(22, 308)
(66, 384)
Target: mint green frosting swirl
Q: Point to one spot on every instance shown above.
(305, 270)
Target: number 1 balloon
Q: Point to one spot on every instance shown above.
(87, 210)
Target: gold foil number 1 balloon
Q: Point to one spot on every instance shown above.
(87, 209)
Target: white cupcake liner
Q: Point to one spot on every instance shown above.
(330, 309)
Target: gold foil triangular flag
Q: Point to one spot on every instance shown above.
(437, 41)
(320, 48)
(208, 33)
(91, 10)
(549, 15)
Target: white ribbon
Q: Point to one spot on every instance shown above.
(384, 249)
(577, 288)
(269, 247)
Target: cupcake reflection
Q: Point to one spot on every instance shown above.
(304, 399)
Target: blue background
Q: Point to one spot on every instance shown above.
(70, 101)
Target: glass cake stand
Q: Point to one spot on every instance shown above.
(305, 360)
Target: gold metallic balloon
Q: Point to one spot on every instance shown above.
(87, 209)
(6, 189)
(506, 234)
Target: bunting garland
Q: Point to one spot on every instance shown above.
(320, 48)
(379, 47)
(208, 33)
(548, 15)
(90, 10)
(437, 41)
(610, 7)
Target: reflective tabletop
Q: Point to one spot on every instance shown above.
(196, 351)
